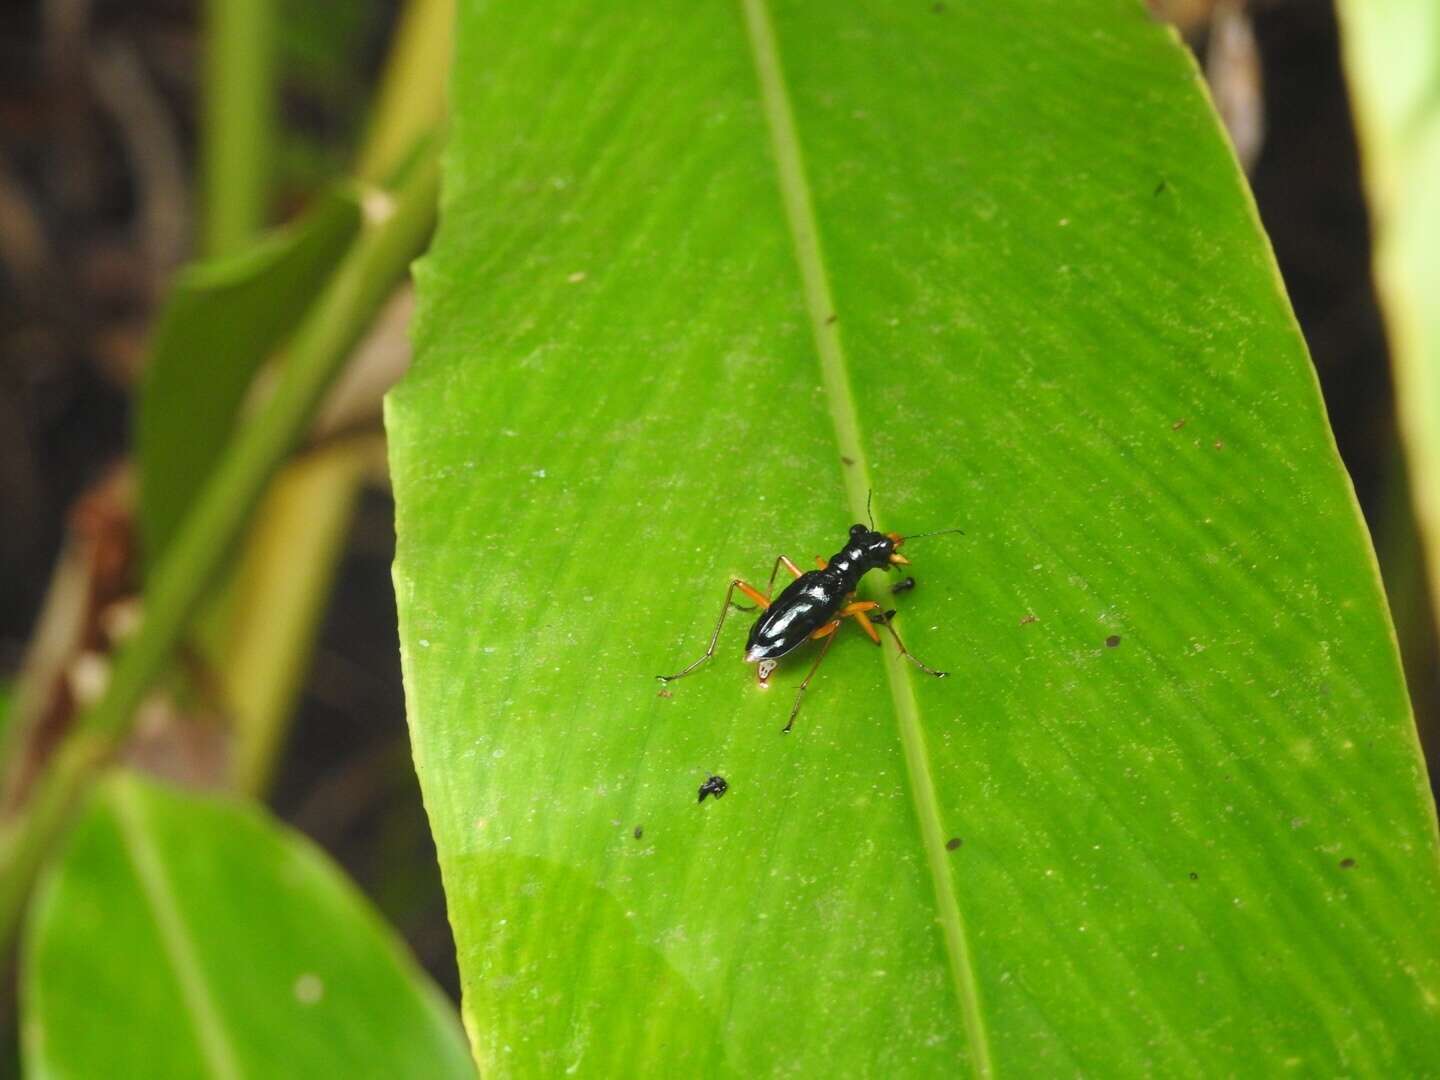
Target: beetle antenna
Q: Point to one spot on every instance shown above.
(868, 496)
(937, 532)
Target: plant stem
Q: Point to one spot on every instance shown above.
(282, 585)
(264, 651)
(239, 121)
(378, 258)
(410, 102)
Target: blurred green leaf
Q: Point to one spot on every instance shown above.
(1392, 55)
(324, 52)
(188, 936)
(327, 59)
(706, 275)
(222, 321)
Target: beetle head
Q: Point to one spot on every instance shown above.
(877, 548)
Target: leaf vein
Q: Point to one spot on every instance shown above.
(175, 935)
(820, 304)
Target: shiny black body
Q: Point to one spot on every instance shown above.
(812, 599)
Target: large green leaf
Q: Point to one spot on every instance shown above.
(181, 936)
(707, 274)
(223, 319)
(1392, 53)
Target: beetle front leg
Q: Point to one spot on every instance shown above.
(856, 610)
(828, 632)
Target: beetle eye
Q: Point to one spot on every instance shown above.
(858, 530)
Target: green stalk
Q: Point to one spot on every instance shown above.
(239, 122)
(281, 588)
(378, 259)
(410, 102)
(286, 570)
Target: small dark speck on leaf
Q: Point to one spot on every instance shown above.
(831, 319)
(847, 460)
(665, 694)
(639, 831)
(938, 9)
(1028, 619)
(1178, 424)
(1194, 876)
(1161, 186)
(1112, 641)
(715, 785)
(1347, 864)
(953, 843)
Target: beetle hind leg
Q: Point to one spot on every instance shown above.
(735, 583)
(780, 560)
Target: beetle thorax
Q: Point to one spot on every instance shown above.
(867, 550)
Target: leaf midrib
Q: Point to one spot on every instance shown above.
(825, 327)
(176, 937)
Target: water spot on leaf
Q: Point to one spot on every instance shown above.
(309, 989)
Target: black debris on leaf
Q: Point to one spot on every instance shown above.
(715, 785)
